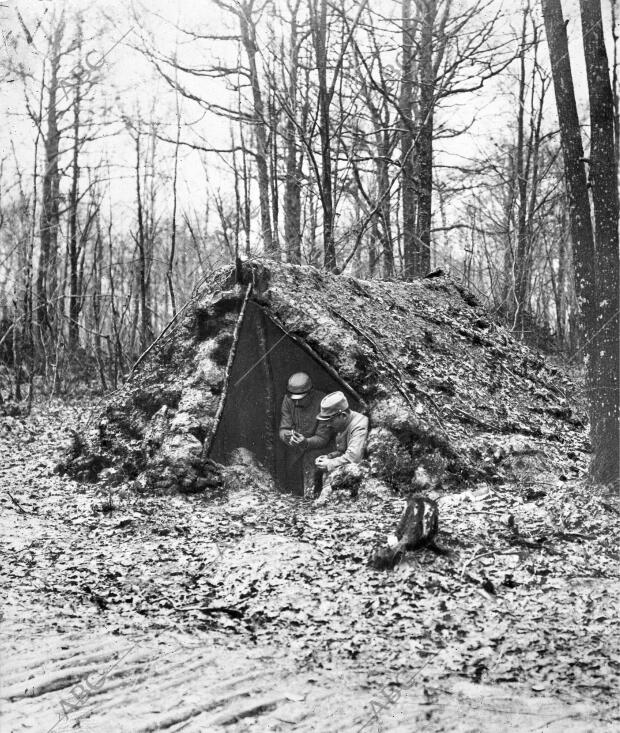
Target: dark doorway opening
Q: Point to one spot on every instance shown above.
(264, 359)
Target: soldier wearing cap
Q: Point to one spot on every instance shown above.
(351, 430)
(299, 428)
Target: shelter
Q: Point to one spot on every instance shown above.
(263, 358)
(439, 380)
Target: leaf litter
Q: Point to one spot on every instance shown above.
(526, 602)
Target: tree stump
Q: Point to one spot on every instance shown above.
(416, 529)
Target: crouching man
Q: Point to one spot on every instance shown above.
(351, 429)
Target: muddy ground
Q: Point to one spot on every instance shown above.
(253, 610)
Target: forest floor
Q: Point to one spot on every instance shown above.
(257, 611)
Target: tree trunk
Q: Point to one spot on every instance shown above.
(604, 327)
(601, 395)
(383, 193)
(319, 35)
(407, 138)
(146, 331)
(578, 203)
(527, 170)
(238, 212)
(97, 276)
(247, 205)
(424, 142)
(533, 176)
(508, 293)
(74, 294)
(173, 225)
(614, 79)
(248, 38)
(521, 275)
(273, 174)
(384, 144)
(292, 188)
(117, 356)
(313, 255)
(46, 274)
(562, 278)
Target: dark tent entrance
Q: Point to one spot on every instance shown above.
(264, 358)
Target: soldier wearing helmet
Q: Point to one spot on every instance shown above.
(299, 428)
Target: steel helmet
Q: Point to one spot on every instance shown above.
(299, 384)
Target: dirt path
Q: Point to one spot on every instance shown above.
(257, 612)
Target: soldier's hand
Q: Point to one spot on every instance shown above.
(297, 439)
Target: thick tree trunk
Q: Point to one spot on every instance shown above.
(424, 143)
(605, 325)
(614, 78)
(46, 274)
(407, 143)
(602, 385)
(576, 183)
(292, 187)
(319, 34)
(248, 37)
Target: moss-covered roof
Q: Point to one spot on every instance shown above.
(431, 365)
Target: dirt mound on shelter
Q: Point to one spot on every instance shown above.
(445, 387)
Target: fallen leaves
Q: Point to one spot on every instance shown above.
(528, 597)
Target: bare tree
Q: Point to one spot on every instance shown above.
(433, 41)
(526, 169)
(596, 266)
(292, 194)
(79, 86)
(143, 237)
(173, 223)
(50, 205)
(605, 412)
(247, 24)
(408, 116)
